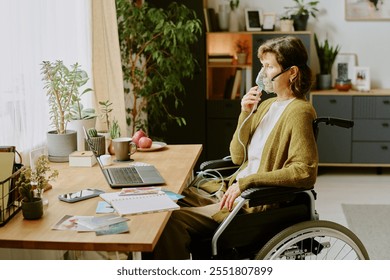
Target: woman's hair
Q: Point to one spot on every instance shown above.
(290, 51)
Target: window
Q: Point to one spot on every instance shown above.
(33, 31)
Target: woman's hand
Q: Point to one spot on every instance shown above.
(230, 196)
(250, 99)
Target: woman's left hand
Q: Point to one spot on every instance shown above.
(230, 196)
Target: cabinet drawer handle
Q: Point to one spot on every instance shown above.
(332, 101)
(385, 124)
(385, 148)
(387, 102)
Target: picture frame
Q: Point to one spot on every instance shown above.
(268, 21)
(361, 79)
(366, 10)
(253, 19)
(343, 66)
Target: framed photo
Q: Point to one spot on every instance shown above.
(269, 21)
(361, 79)
(360, 10)
(343, 66)
(253, 19)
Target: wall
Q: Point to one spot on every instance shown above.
(369, 40)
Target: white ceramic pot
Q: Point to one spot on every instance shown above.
(234, 21)
(286, 25)
(223, 17)
(78, 125)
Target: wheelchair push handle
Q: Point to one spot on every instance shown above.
(334, 121)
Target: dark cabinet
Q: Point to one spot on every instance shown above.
(368, 142)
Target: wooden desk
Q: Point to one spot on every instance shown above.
(175, 163)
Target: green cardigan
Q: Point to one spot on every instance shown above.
(290, 155)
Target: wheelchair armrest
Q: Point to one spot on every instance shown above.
(270, 194)
(217, 163)
(224, 167)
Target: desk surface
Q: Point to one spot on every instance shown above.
(175, 163)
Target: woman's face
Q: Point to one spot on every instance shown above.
(271, 69)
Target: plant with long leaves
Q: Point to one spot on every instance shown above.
(62, 87)
(326, 55)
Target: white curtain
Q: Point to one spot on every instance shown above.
(33, 31)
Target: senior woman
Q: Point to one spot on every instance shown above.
(274, 143)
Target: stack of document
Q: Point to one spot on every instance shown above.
(132, 201)
(107, 224)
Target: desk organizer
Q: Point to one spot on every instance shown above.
(10, 199)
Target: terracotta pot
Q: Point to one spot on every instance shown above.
(110, 148)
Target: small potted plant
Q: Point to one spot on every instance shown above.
(234, 24)
(98, 142)
(105, 108)
(242, 49)
(286, 23)
(301, 11)
(62, 87)
(115, 132)
(326, 56)
(31, 184)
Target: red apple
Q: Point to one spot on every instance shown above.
(137, 136)
(145, 142)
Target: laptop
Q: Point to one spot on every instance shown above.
(127, 176)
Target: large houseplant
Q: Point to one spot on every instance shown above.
(31, 184)
(326, 56)
(156, 56)
(62, 87)
(301, 12)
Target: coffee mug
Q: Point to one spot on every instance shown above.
(124, 148)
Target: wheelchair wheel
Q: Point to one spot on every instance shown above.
(314, 240)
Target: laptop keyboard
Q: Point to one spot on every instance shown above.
(125, 175)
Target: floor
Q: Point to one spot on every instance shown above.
(351, 186)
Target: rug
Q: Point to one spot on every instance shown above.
(371, 223)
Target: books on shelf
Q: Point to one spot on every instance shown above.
(228, 87)
(237, 84)
(221, 58)
(211, 20)
(140, 204)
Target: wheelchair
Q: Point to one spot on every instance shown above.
(293, 231)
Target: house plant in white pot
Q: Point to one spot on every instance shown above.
(105, 108)
(234, 17)
(31, 185)
(242, 50)
(80, 117)
(286, 23)
(62, 87)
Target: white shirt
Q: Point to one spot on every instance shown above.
(256, 146)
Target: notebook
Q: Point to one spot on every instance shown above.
(127, 176)
(140, 204)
